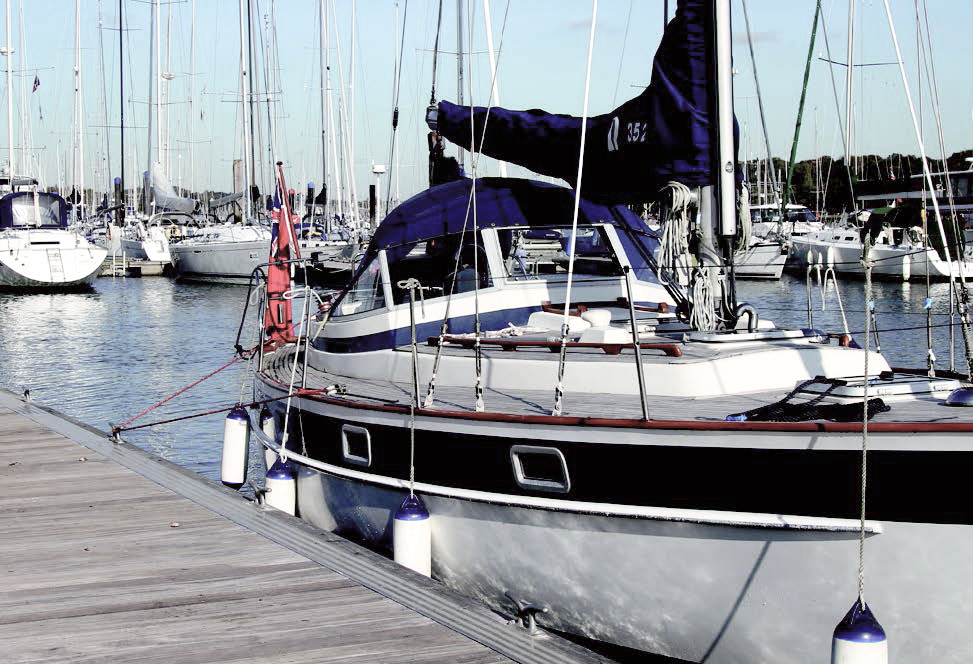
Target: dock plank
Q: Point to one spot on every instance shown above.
(102, 564)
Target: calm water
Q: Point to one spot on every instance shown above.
(105, 356)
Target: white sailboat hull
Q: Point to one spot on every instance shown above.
(673, 583)
(762, 260)
(48, 258)
(891, 262)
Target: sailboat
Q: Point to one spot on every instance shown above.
(666, 471)
(37, 249)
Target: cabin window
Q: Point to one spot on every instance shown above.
(544, 250)
(366, 294)
(47, 211)
(540, 468)
(437, 263)
(356, 445)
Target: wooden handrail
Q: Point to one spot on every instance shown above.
(510, 344)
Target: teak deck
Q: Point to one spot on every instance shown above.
(112, 554)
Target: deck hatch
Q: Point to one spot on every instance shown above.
(540, 468)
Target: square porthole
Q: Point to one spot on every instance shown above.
(356, 445)
(540, 468)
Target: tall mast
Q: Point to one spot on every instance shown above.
(146, 194)
(158, 84)
(323, 38)
(849, 83)
(461, 154)
(252, 92)
(121, 96)
(333, 20)
(105, 177)
(192, 85)
(244, 87)
(10, 108)
(494, 92)
(79, 174)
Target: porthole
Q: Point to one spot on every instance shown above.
(540, 468)
(356, 445)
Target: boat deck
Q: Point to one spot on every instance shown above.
(929, 409)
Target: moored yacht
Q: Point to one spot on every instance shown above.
(37, 250)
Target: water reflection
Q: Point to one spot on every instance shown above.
(105, 356)
(900, 315)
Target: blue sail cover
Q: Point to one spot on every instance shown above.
(663, 134)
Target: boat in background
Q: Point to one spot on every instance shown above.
(903, 245)
(37, 249)
(766, 221)
(766, 254)
(223, 253)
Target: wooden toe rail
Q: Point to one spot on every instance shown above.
(512, 344)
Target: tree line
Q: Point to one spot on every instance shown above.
(827, 182)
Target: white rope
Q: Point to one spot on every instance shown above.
(674, 243)
(869, 305)
(702, 315)
(470, 205)
(559, 387)
(744, 222)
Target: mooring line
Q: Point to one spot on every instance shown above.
(241, 356)
(299, 393)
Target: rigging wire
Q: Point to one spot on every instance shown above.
(395, 109)
(435, 53)
(963, 294)
(431, 388)
(559, 388)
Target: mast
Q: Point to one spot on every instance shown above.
(350, 116)
(331, 124)
(121, 99)
(106, 161)
(244, 87)
(251, 102)
(146, 194)
(192, 86)
(79, 174)
(460, 153)
(158, 84)
(494, 92)
(10, 109)
(849, 83)
(800, 110)
(323, 39)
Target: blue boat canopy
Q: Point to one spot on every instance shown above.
(445, 211)
(21, 210)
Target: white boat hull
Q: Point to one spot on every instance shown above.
(48, 259)
(899, 263)
(229, 262)
(696, 591)
(762, 260)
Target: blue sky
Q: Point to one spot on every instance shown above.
(542, 47)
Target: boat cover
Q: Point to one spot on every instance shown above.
(630, 153)
(19, 210)
(503, 202)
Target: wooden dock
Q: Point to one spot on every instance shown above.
(112, 554)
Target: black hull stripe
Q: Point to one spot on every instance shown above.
(906, 486)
